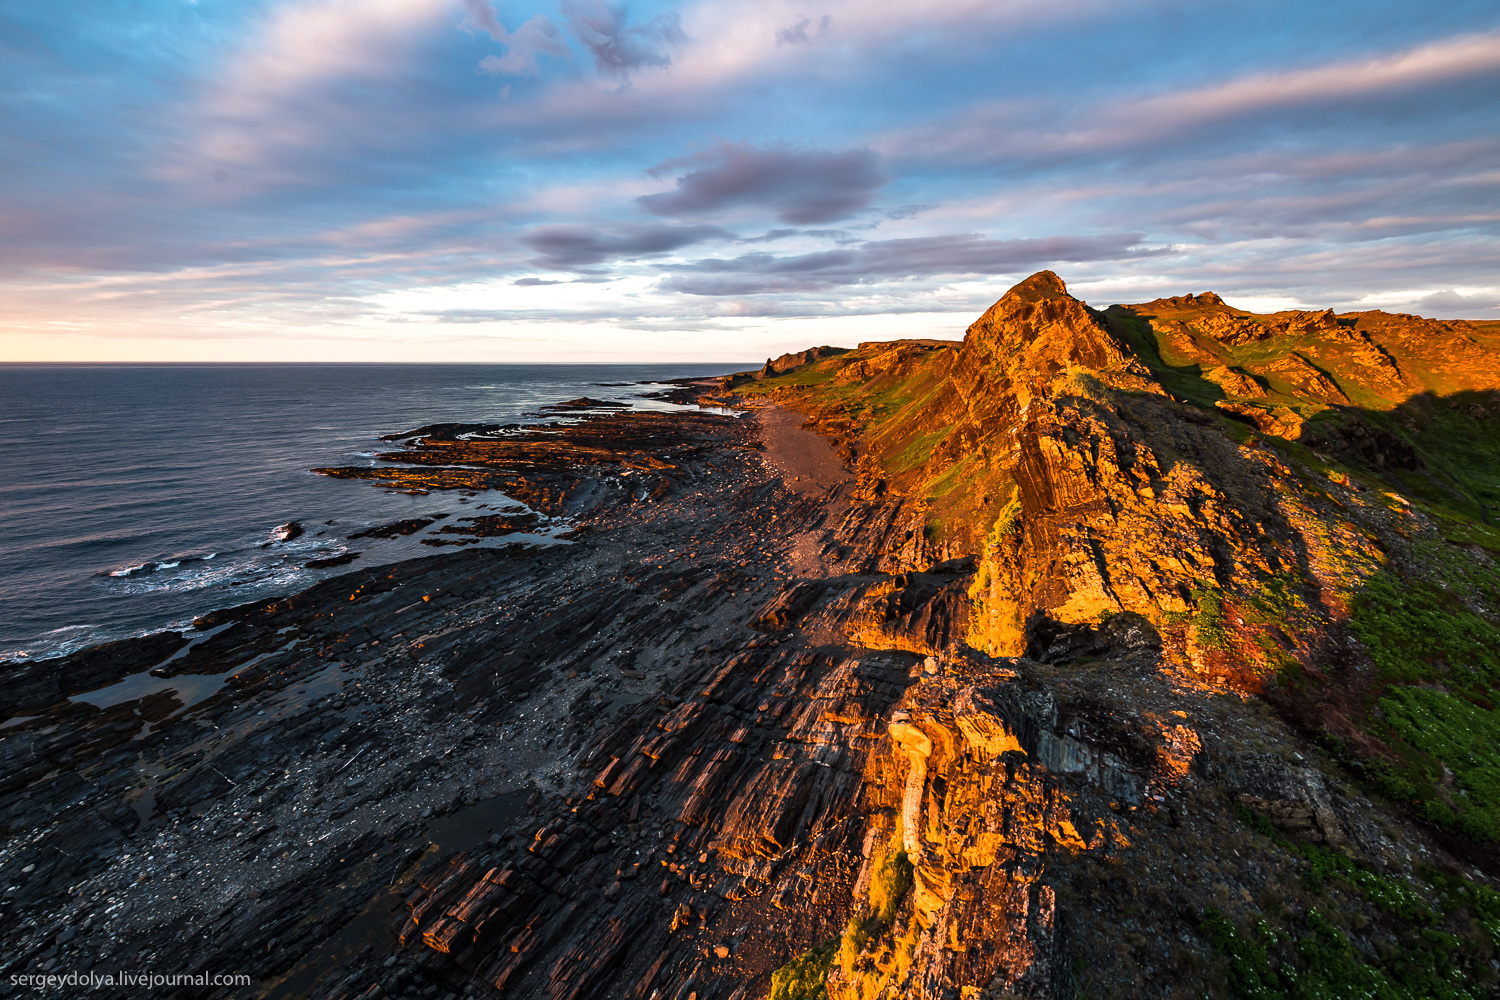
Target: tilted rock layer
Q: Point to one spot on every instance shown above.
(1146, 652)
(1069, 693)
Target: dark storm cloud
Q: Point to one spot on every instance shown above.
(799, 186)
(619, 47)
(563, 248)
(887, 260)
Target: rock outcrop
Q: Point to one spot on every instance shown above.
(1143, 652)
(787, 362)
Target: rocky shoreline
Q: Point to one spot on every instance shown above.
(382, 717)
(734, 732)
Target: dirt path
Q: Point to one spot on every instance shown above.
(805, 459)
(809, 466)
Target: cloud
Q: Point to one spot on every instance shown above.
(1436, 62)
(1454, 304)
(479, 14)
(796, 34)
(567, 247)
(537, 37)
(298, 92)
(799, 186)
(618, 47)
(888, 260)
(1010, 130)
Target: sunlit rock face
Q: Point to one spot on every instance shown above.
(1070, 677)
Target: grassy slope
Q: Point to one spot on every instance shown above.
(1430, 620)
(1429, 623)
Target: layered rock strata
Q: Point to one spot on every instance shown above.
(1063, 690)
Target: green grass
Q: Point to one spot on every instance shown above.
(953, 477)
(806, 976)
(919, 450)
(1323, 866)
(1182, 376)
(1312, 959)
(1436, 647)
(889, 886)
(1461, 451)
(1422, 951)
(1208, 620)
(817, 373)
(1250, 972)
(1417, 630)
(1456, 734)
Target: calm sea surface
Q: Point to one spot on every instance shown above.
(133, 497)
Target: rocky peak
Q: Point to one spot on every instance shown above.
(1037, 328)
(1174, 303)
(1040, 286)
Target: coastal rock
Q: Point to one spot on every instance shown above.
(1061, 684)
(787, 362)
(31, 685)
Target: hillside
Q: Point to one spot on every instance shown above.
(1296, 509)
(1149, 652)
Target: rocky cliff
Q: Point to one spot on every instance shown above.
(1233, 515)
(1138, 652)
(1094, 683)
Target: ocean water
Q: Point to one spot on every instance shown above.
(133, 497)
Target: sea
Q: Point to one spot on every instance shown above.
(135, 497)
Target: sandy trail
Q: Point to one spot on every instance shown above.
(809, 466)
(805, 459)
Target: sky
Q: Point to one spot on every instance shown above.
(720, 180)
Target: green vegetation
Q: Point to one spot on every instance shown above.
(1462, 530)
(817, 373)
(957, 473)
(806, 976)
(1421, 951)
(1315, 961)
(889, 886)
(1391, 895)
(1460, 736)
(1182, 376)
(867, 403)
(1250, 973)
(919, 450)
(1275, 611)
(1418, 631)
(1209, 626)
(1312, 959)
(1440, 660)
(890, 883)
(1458, 438)
(1006, 524)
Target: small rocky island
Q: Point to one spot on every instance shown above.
(1149, 652)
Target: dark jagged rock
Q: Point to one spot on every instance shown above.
(331, 561)
(36, 684)
(408, 526)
